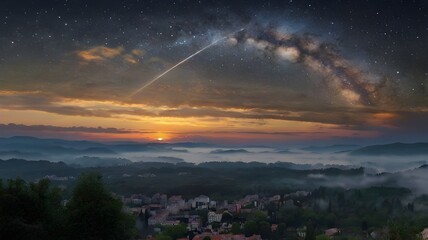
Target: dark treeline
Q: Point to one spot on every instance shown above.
(36, 211)
(357, 212)
(220, 180)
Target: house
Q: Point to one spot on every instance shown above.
(194, 222)
(332, 232)
(254, 237)
(201, 202)
(301, 232)
(275, 198)
(146, 175)
(225, 237)
(175, 204)
(171, 222)
(214, 217)
(297, 194)
(289, 204)
(250, 199)
(238, 208)
(424, 234)
(377, 234)
(159, 218)
(159, 199)
(273, 227)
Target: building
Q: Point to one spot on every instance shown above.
(275, 198)
(176, 199)
(378, 234)
(176, 204)
(424, 234)
(136, 201)
(194, 222)
(273, 227)
(159, 218)
(159, 199)
(332, 232)
(301, 232)
(201, 202)
(225, 237)
(297, 194)
(214, 217)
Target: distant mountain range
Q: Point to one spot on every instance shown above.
(37, 148)
(86, 161)
(228, 151)
(20, 154)
(394, 149)
(330, 149)
(33, 169)
(22, 146)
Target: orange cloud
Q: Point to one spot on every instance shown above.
(102, 53)
(99, 53)
(130, 59)
(138, 52)
(384, 119)
(134, 57)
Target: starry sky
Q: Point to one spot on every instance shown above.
(270, 72)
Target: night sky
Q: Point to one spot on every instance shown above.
(272, 72)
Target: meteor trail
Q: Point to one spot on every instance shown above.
(176, 65)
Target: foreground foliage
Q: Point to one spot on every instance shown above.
(34, 211)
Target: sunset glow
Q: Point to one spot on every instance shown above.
(214, 119)
(250, 83)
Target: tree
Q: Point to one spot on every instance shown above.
(250, 228)
(264, 230)
(257, 216)
(30, 210)
(93, 213)
(322, 237)
(364, 225)
(236, 228)
(177, 231)
(279, 232)
(400, 229)
(310, 231)
(227, 217)
(163, 236)
(411, 206)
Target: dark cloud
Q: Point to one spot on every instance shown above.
(14, 129)
(20, 128)
(333, 62)
(347, 118)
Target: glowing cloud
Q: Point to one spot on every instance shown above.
(99, 53)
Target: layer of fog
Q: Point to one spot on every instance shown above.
(401, 171)
(296, 156)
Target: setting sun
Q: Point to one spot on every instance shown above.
(196, 120)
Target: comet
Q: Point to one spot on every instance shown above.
(178, 64)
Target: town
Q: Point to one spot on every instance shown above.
(252, 217)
